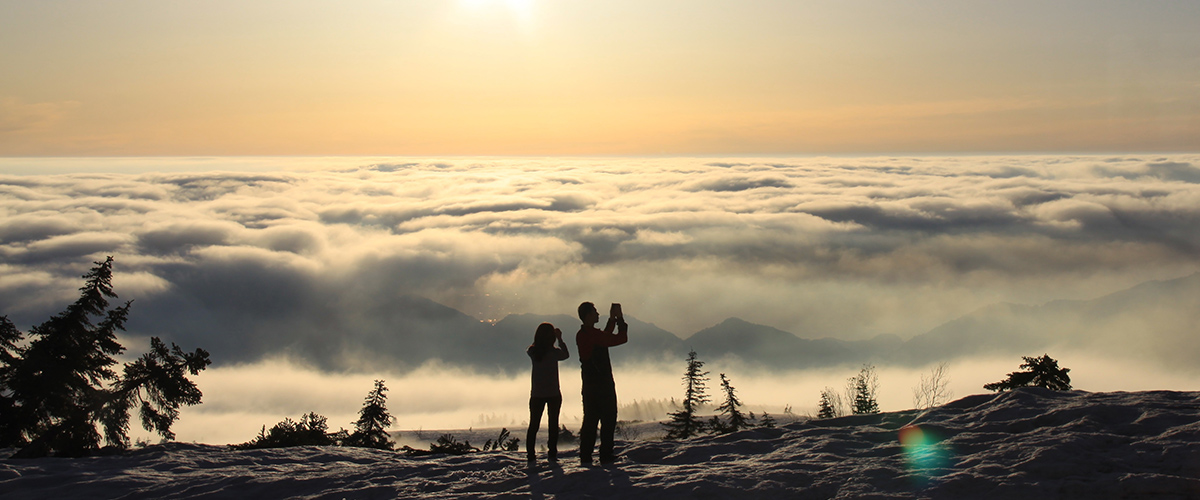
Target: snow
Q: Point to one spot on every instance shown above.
(1030, 443)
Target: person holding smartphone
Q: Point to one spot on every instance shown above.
(599, 389)
(544, 392)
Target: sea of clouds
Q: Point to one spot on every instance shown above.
(245, 255)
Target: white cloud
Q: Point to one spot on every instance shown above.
(842, 247)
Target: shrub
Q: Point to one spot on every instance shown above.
(565, 435)
(503, 442)
(448, 444)
(1042, 372)
(933, 390)
(311, 430)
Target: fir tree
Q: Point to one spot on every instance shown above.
(373, 420)
(158, 381)
(830, 405)
(62, 383)
(734, 419)
(10, 432)
(767, 421)
(862, 389)
(66, 364)
(685, 423)
(1042, 372)
(9, 336)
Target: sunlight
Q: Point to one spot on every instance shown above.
(521, 10)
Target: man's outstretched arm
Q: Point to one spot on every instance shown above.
(621, 337)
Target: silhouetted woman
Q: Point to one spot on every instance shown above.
(544, 391)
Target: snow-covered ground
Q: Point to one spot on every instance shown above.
(1026, 444)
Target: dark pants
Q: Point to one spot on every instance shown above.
(536, 405)
(599, 405)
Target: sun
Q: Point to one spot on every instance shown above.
(520, 13)
(519, 8)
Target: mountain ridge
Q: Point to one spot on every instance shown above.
(1155, 320)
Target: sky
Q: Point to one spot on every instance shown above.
(573, 77)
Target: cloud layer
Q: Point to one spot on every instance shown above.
(319, 262)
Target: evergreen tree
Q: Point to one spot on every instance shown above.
(65, 365)
(734, 419)
(830, 405)
(62, 382)
(1042, 372)
(767, 422)
(9, 336)
(10, 432)
(685, 423)
(158, 381)
(373, 420)
(862, 389)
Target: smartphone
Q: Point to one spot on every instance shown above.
(615, 311)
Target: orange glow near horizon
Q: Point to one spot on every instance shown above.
(523, 77)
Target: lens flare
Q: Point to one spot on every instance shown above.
(923, 450)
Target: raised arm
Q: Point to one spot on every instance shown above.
(621, 337)
(562, 351)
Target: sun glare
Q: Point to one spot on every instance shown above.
(522, 10)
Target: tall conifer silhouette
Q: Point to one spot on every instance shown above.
(370, 431)
(685, 423)
(62, 383)
(735, 420)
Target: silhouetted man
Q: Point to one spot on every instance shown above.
(599, 390)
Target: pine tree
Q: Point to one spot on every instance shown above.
(734, 419)
(767, 421)
(830, 405)
(10, 432)
(1042, 372)
(373, 420)
(685, 423)
(62, 383)
(862, 389)
(66, 364)
(158, 381)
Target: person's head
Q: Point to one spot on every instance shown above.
(588, 314)
(544, 337)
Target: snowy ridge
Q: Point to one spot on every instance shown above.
(1029, 443)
